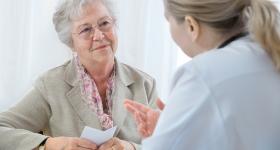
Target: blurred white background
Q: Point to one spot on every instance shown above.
(29, 45)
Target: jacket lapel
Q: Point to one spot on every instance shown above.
(121, 92)
(119, 113)
(75, 98)
(85, 113)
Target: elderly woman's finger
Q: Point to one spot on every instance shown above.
(82, 148)
(107, 145)
(117, 147)
(86, 144)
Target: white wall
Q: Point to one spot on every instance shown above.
(29, 45)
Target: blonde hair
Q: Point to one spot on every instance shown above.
(259, 17)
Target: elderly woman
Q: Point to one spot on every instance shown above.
(88, 90)
(227, 96)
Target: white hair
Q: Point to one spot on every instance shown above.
(66, 12)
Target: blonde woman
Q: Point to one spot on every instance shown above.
(227, 97)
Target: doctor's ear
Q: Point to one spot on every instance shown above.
(193, 27)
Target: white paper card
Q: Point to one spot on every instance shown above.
(98, 136)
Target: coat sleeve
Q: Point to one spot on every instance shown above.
(19, 126)
(191, 118)
(153, 96)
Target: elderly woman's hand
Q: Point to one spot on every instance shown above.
(116, 144)
(146, 118)
(69, 143)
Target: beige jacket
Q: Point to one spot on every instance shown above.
(55, 106)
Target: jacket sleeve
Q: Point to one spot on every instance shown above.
(153, 96)
(137, 146)
(19, 126)
(191, 119)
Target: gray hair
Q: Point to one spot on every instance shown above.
(66, 12)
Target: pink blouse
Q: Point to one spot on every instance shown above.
(92, 97)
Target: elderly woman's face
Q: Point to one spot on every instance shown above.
(93, 34)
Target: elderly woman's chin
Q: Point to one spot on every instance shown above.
(102, 53)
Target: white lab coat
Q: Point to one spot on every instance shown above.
(224, 99)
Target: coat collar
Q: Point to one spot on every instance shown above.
(124, 78)
(122, 73)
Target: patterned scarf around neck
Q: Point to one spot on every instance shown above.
(92, 97)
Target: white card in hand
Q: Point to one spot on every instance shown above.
(98, 136)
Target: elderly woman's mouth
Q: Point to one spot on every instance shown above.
(98, 48)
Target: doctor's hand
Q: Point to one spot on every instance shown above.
(69, 143)
(116, 144)
(145, 117)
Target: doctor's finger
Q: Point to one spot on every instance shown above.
(160, 104)
(138, 106)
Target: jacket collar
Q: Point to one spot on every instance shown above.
(124, 78)
(124, 75)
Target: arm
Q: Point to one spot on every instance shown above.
(20, 124)
(191, 118)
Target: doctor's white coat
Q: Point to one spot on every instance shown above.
(224, 99)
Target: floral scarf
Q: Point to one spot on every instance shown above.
(92, 97)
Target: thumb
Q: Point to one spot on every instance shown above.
(160, 104)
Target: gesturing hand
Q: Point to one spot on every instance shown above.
(145, 117)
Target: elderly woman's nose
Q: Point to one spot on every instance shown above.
(97, 35)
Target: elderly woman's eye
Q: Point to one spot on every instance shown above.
(104, 23)
(86, 30)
